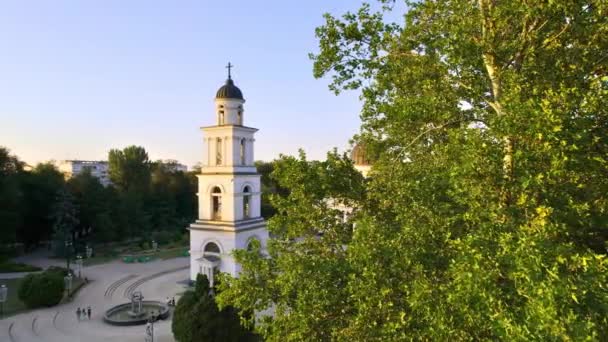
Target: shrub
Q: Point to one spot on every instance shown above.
(42, 289)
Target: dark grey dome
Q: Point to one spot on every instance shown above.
(229, 91)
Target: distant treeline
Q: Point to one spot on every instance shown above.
(144, 197)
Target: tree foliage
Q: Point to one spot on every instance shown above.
(96, 207)
(39, 188)
(129, 169)
(198, 318)
(10, 196)
(149, 200)
(303, 276)
(269, 187)
(65, 220)
(485, 214)
(41, 289)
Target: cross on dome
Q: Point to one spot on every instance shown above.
(229, 90)
(229, 66)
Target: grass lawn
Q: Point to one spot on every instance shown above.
(13, 304)
(11, 266)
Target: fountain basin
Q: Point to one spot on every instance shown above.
(121, 314)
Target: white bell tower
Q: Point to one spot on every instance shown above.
(229, 189)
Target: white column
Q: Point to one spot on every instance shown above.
(250, 156)
(208, 142)
(225, 149)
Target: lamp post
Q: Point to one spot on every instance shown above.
(150, 329)
(68, 244)
(79, 264)
(68, 283)
(3, 295)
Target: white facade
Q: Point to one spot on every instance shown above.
(229, 192)
(98, 169)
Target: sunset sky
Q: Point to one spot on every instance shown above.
(81, 77)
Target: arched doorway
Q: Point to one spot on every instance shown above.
(210, 261)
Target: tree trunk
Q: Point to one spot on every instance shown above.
(493, 70)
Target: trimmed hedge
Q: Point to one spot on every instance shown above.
(42, 289)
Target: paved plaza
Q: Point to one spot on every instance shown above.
(111, 284)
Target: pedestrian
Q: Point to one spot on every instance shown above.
(78, 313)
(89, 312)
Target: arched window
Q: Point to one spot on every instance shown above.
(239, 116)
(211, 248)
(242, 152)
(246, 202)
(220, 115)
(251, 242)
(216, 203)
(218, 149)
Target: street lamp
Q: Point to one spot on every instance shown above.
(79, 264)
(3, 295)
(68, 283)
(150, 329)
(68, 244)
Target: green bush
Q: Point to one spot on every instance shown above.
(41, 289)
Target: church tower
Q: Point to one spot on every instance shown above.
(229, 189)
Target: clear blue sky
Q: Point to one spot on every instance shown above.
(78, 78)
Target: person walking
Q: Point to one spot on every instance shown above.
(78, 313)
(89, 312)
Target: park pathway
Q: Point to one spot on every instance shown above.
(109, 284)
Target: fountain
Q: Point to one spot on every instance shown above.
(137, 312)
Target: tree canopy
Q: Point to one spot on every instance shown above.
(485, 213)
(150, 200)
(198, 318)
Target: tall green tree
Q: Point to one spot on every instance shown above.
(303, 277)
(129, 169)
(269, 187)
(198, 318)
(95, 206)
(10, 196)
(65, 221)
(486, 212)
(39, 188)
